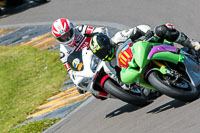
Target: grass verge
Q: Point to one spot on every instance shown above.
(35, 127)
(28, 76)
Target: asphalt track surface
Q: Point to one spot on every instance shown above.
(165, 115)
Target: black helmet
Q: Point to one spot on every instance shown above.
(101, 47)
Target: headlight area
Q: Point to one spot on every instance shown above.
(94, 63)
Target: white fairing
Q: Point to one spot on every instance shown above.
(83, 79)
(87, 59)
(86, 74)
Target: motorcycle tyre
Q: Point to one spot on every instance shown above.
(123, 95)
(185, 96)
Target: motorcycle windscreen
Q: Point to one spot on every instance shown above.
(75, 61)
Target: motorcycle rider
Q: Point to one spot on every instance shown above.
(105, 48)
(73, 39)
(167, 31)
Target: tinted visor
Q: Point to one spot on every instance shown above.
(67, 36)
(104, 53)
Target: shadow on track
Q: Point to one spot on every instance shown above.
(167, 106)
(124, 109)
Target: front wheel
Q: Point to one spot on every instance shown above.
(185, 92)
(115, 90)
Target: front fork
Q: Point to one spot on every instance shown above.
(192, 70)
(163, 69)
(167, 71)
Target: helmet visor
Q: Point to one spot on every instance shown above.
(67, 36)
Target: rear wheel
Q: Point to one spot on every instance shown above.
(111, 87)
(180, 89)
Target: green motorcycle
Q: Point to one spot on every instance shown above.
(160, 67)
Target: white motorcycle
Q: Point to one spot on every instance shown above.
(96, 76)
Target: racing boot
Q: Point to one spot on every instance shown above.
(185, 41)
(192, 46)
(168, 32)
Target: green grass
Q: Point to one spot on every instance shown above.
(35, 127)
(28, 76)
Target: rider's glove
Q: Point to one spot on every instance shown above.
(195, 44)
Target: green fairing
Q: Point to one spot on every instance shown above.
(137, 67)
(167, 56)
(132, 74)
(129, 75)
(141, 52)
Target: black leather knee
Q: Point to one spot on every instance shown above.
(170, 34)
